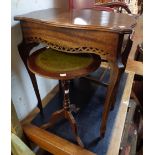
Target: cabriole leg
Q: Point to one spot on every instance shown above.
(115, 74)
(24, 51)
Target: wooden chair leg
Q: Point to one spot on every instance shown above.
(73, 124)
(115, 74)
(54, 118)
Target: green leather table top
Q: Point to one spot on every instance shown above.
(51, 63)
(55, 61)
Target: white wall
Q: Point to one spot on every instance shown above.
(22, 92)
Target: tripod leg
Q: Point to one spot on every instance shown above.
(73, 124)
(54, 117)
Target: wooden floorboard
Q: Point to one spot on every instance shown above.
(116, 137)
(53, 143)
(134, 66)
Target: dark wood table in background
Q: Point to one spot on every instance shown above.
(83, 30)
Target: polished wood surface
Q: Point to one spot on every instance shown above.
(52, 143)
(78, 31)
(82, 19)
(96, 32)
(72, 40)
(53, 64)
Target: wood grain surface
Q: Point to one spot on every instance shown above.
(52, 143)
(82, 19)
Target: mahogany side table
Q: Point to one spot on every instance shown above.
(78, 31)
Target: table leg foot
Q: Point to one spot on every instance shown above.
(79, 141)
